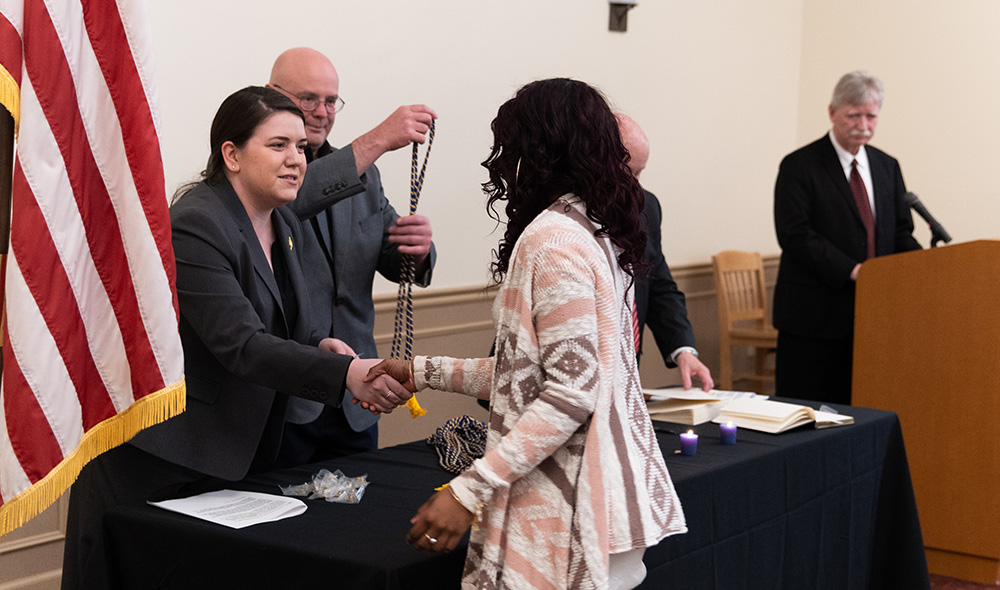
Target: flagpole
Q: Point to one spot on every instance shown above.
(6, 176)
(6, 187)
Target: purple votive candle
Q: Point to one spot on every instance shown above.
(689, 443)
(727, 432)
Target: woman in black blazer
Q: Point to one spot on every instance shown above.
(245, 330)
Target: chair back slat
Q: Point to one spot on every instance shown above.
(743, 315)
(740, 287)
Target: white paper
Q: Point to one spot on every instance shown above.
(235, 509)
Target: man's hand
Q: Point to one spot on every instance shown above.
(337, 346)
(404, 126)
(690, 366)
(855, 271)
(413, 234)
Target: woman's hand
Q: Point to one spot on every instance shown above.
(399, 370)
(439, 523)
(381, 394)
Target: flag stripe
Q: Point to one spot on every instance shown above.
(37, 358)
(146, 223)
(10, 49)
(108, 39)
(33, 442)
(34, 249)
(43, 168)
(153, 284)
(10, 38)
(53, 81)
(14, 479)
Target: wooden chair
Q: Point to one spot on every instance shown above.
(743, 316)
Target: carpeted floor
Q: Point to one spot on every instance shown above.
(946, 583)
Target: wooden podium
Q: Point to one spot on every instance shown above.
(927, 346)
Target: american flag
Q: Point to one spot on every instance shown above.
(91, 352)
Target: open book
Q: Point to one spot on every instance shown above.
(689, 406)
(775, 417)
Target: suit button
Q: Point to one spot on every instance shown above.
(339, 301)
(326, 191)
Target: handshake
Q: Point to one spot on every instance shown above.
(381, 386)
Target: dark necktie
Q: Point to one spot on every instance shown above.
(864, 207)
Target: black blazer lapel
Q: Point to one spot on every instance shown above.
(831, 163)
(260, 265)
(290, 248)
(882, 184)
(321, 225)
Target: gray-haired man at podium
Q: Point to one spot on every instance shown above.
(837, 202)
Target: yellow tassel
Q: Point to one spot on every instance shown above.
(10, 96)
(414, 406)
(147, 411)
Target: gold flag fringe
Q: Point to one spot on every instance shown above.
(10, 96)
(147, 411)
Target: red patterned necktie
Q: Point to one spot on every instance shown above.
(635, 325)
(864, 206)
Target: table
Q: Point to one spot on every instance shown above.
(806, 509)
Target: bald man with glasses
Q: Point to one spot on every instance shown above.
(350, 233)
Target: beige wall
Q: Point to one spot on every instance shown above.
(715, 84)
(939, 62)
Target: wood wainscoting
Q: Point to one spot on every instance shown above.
(31, 556)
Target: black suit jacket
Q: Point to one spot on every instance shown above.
(241, 357)
(822, 237)
(658, 301)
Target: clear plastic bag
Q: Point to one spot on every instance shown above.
(333, 487)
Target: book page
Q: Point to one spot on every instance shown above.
(775, 417)
(762, 409)
(694, 394)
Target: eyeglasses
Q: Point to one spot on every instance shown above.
(309, 103)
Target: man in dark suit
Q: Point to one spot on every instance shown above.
(346, 243)
(659, 303)
(837, 202)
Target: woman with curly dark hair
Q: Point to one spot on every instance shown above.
(572, 487)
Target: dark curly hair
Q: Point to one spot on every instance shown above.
(559, 136)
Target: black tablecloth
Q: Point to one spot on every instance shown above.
(806, 509)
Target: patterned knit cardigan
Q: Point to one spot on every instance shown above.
(572, 471)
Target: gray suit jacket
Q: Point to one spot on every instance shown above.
(242, 355)
(345, 244)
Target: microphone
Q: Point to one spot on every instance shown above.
(938, 233)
